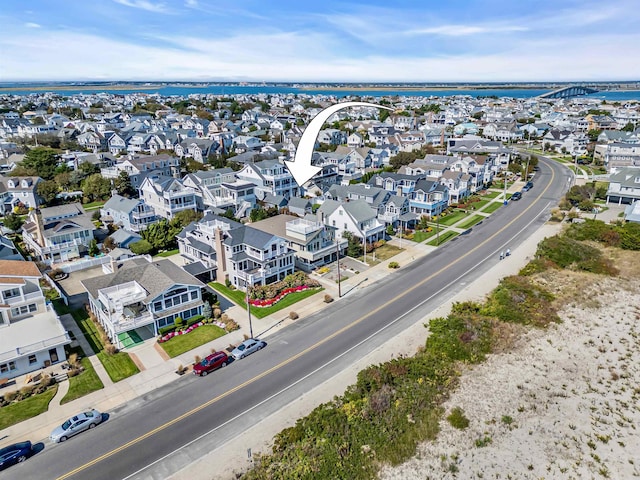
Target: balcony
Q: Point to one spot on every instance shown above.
(142, 215)
(34, 347)
(76, 242)
(125, 323)
(24, 298)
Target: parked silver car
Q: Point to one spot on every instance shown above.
(247, 348)
(79, 423)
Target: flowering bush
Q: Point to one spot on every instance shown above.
(170, 335)
(267, 302)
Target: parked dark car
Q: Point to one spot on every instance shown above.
(516, 196)
(210, 363)
(529, 185)
(16, 453)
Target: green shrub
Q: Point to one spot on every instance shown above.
(518, 300)
(394, 265)
(193, 320)
(565, 252)
(167, 329)
(457, 418)
(141, 247)
(178, 322)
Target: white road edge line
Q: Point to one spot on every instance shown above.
(288, 387)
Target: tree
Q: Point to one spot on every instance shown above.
(89, 168)
(594, 134)
(93, 247)
(161, 235)
(184, 218)
(38, 121)
(192, 165)
(354, 245)
(96, 187)
(63, 180)
(47, 190)
(629, 127)
(41, 161)
(13, 222)
(258, 214)
(108, 244)
(207, 311)
(141, 247)
(384, 114)
(122, 184)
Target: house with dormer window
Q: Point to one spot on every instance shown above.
(357, 217)
(624, 186)
(132, 214)
(269, 177)
(31, 334)
(142, 295)
(18, 192)
(429, 198)
(58, 234)
(167, 195)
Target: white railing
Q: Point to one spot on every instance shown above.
(34, 347)
(84, 264)
(61, 246)
(127, 323)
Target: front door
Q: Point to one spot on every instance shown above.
(53, 355)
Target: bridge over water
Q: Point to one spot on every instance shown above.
(568, 92)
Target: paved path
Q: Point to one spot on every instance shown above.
(63, 388)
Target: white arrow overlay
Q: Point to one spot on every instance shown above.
(301, 167)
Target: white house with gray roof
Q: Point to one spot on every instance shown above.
(167, 196)
(269, 176)
(18, 191)
(624, 186)
(357, 217)
(58, 234)
(31, 335)
(256, 257)
(132, 214)
(143, 295)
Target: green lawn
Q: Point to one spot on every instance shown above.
(25, 409)
(93, 205)
(420, 236)
(238, 297)
(119, 365)
(452, 218)
(492, 207)
(184, 343)
(480, 204)
(493, 194)
(469, 222)
(443, 238)
(168, 253)
(83, 384)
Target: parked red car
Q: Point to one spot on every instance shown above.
(211, 363)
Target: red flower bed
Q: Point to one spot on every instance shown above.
(276, 299)
(170, 335)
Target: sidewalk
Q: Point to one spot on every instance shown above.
(224, 462)
(157, 371)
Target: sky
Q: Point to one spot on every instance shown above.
(320, 41)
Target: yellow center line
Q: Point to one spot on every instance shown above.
(298, 355)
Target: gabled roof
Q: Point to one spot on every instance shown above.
(19, 268)
(246, 235)
(121, 204)
(155, 277)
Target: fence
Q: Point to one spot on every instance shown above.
(55, 286)
(84, 264)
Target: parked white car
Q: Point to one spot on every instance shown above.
(79, 423)
(247, 348)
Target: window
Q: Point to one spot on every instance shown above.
(32, 359)
(14, 292)
(7, 367)
(194, 295)
(23, 309)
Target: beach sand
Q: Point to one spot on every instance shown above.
(561, 404)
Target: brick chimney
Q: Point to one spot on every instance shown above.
(39, 233)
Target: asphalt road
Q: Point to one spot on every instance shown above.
(162, 432)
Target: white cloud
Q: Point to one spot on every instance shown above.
(145, 5)
(301, 56)
(464, 30)
(32, 25)
(191, 3)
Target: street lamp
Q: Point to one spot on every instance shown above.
(249, 282)
(338, 260)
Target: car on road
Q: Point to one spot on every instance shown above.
(79, 423)
(16, 453)
(247, 348)
(210, 363)
(516, 196)
(528, 185)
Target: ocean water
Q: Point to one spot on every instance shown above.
(180, 90)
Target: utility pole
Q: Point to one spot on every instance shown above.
(249, 304)
(505, 187)
(338, 260)
(438, 230)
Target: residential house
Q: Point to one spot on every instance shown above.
(255, 257)
(574, 143)
(31, 334)
(269, 176)
(601, 122)
(167, 196)
(132, 214)
(619, 155)
(139, 167)
(245, 143)
(313, 243)
(632, 212)
(332, 136)
(58, 234)
(18, 192)
(299, 206)
(429, 197)
(458, 184)
(624, 186)
(355, 140)
(357, 217)
(142, 295)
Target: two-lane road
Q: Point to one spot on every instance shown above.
(162, 432)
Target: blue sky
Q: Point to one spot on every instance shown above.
(323, 41)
